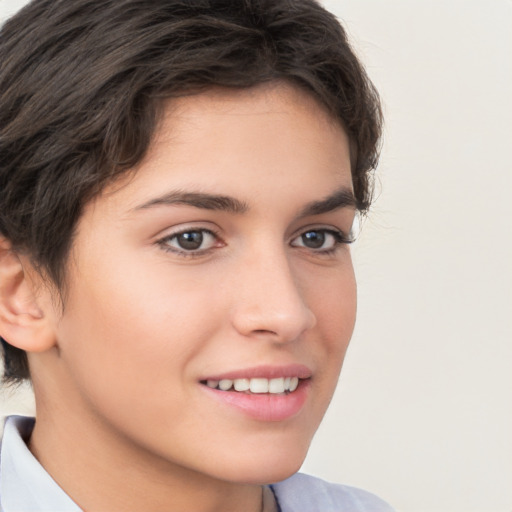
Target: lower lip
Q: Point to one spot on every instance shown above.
(265, 406)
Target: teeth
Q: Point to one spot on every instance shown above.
(259, 385)
(225, 384)
(242, 384)
(274, 386)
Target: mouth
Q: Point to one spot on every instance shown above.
(265, 393)
(258, 386)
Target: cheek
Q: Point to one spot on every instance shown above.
(333, 298)
(128, 331)
(334, 303)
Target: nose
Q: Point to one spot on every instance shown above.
(269, 301)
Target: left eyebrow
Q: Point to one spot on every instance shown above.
(342, 198)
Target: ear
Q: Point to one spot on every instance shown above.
(25, 310)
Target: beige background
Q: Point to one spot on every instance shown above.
(423, 415)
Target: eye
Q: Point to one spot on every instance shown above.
(321, 240)
(190, 241)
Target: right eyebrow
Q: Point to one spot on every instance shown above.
(197, 200)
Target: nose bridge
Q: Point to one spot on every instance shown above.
(269, 298)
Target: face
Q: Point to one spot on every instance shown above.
(211, 293)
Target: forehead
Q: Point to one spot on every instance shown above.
(230, 109)
(228, 141)
(272, 98)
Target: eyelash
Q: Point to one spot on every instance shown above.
(164, 243)
(339, 237)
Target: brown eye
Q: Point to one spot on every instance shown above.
(320, 240)
(313, 239)
(190, 241)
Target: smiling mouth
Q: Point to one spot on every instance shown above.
(276, 386)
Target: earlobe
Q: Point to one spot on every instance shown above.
(24, 323)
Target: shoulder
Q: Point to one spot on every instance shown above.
(304, 493)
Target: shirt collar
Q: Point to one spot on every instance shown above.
(24, 484)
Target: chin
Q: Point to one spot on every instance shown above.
(265, 467)
(265, 475)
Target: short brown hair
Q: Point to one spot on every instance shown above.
(81, 84)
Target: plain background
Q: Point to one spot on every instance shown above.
(423, 415)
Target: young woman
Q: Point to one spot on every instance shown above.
(179, 183)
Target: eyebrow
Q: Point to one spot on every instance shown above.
(342, 198)
(197, 200)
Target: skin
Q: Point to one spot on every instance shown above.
(118, 384)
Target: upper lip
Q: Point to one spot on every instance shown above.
(265, 372)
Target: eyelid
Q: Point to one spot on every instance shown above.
(345, 237)
(338, 224)
(338, 237)
(184, 227)
(162, 241)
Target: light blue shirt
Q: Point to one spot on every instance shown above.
(26, 487)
